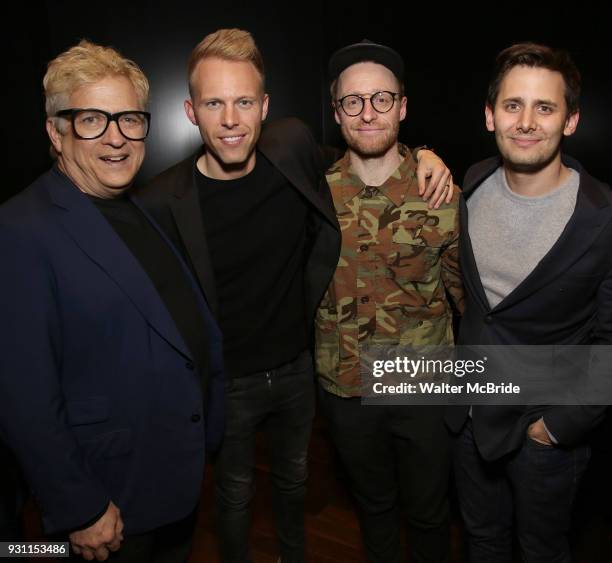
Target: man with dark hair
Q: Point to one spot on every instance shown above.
(398, 261)
(252, 211)
(537, 266)
(534, 55)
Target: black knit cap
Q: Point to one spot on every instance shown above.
(365, 51)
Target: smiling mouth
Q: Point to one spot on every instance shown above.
(232, 140)
(525, 141)
(114, 159)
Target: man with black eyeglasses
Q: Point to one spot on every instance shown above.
(111, 362)
(398, 261)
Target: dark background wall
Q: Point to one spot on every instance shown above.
(448, 52)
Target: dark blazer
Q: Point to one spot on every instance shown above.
(99, 396)
(566, 299)
(172, 199)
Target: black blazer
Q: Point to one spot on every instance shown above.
(172, 199)
(566, 299)
(98, 390)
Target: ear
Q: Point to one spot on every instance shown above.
(264, 106)
(54, 135)
(571, 123)
(489, 121)
(403, 108)
(189, 111)
(335, 107)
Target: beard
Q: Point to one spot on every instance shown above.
(374, 146)
(528, 163)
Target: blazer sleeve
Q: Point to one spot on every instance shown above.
(33, 419)
(451, 269)
(569, 424)
(328, 155)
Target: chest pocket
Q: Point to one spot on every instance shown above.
(412, 259)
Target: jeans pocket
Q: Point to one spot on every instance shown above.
(537, 444)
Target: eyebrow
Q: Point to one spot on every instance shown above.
(231, 99)
(366, 93)
(520, 100)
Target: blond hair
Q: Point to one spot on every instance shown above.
(229, 44)
(87, 63)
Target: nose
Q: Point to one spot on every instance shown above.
(113, 136)
(526, 120)
(229, 118)
(369, 113)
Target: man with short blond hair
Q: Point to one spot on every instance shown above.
(110, 358)
(252, 211)
(228, 44)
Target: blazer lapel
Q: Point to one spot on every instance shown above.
(579, 234)
(96, 238)
(285, 161)
(469, 269)
(584, 226)
(187, 214)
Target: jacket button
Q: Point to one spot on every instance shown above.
(195, 418)
(365, 299)
(189, 365)
(488, 319)
(363, 247)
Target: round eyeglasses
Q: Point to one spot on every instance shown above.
(92, 123)
(382, 102)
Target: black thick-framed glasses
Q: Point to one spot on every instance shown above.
(91, 123)
(382, 102)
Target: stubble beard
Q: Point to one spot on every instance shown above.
(371, 147)
(529, 164)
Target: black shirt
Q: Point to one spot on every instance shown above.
(163, 268)
(256, 232)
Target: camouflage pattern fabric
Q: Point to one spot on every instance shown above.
(397, 259)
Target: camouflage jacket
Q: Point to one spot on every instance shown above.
(397, 259)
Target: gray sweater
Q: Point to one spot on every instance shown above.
(511, 233)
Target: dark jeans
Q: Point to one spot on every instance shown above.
(167, 544)
(534, 487)
(395, 455)
(280, 401)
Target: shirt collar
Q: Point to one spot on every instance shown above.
(396, 187)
